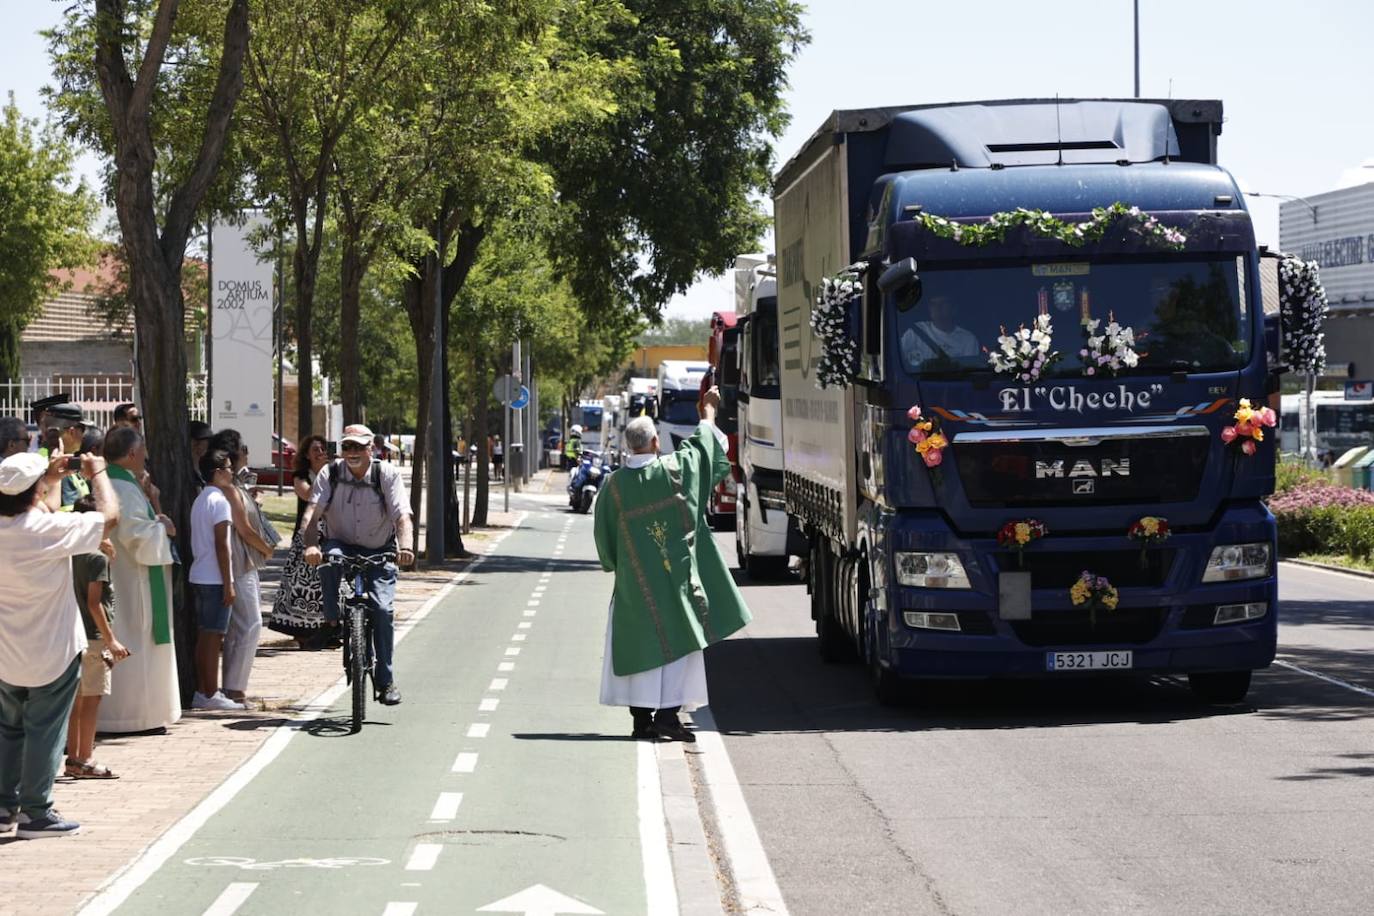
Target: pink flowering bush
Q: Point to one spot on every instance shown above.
(1317, 517)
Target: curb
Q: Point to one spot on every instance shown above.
(1345, 570)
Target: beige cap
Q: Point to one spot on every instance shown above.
(357, 432)
(19, 472)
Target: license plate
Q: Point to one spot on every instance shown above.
(1087, 661)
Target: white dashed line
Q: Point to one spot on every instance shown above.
(531, 612)
(1325, 677)
(231, 898)
(532, 603)
(506, 666)
(488, 704)
(518, 637)
(446, 806)
(513, 651)
(424, 857)
(524, 624)
(397, 908)
(466, 762)
(478, 730)
(498, 683)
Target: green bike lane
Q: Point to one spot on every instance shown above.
(498, 773)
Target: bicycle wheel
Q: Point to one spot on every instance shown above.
(357, 661)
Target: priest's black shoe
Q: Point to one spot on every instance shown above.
(672, 729)
(644, 733)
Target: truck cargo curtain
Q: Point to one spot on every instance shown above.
(1302, 309)
(832, 320)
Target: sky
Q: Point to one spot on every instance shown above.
(1296, 78)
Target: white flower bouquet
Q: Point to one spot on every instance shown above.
(1028, 353)
(1108, 352)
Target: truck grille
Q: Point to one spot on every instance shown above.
(1045, 472)
(1123, 626)
(1122, 567)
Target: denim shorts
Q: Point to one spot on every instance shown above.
(212, 615)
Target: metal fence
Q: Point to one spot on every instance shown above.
(98, 395)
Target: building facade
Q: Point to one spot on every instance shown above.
(1336, 229)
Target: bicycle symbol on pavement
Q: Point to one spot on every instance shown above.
(255, 865)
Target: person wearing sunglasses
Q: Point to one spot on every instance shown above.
(366, 510)
(128, 415)
(14, 437)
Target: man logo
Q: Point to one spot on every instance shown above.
(1084, 487)
(1083, 468)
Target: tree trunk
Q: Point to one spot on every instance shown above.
(418, 296)
(351, 273)
(156, 257)
(481, 423)
(10, 332)
(306, 268)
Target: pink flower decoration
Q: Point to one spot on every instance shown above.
(1267, 417)
(916, 436)
(1245, 429)
(1228, 434)
(914, 413)
(933, 457)
(1248, 446)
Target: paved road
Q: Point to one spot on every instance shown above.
(498, 772)
(1085, 796)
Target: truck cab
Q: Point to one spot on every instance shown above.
(973, 229)
(679, 387)
(761, 521)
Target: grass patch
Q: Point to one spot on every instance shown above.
(1343, 560)
(281, 510)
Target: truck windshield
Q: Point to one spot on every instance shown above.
(679, 408)
(764, 370)
(1188, 315)
(591, 418)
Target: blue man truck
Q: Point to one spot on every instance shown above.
(905, 567)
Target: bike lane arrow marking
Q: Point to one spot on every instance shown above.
(540, 901)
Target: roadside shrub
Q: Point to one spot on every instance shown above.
(1317, 517)
(1290, 475)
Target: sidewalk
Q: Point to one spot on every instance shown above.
(162, 777)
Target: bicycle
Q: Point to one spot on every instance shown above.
(357, 628)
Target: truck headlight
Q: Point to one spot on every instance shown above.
(1231, 562)
(931, 570)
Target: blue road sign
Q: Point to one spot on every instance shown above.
(522, 400)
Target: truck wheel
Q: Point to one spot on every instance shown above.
(831, 639)
(1220, 686)
(739, 551)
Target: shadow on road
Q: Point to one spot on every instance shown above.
(510, 563)
(568, 736)
(322, 727)
(1352, 614)
(771, 685)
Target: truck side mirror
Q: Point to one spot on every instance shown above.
(902, 283)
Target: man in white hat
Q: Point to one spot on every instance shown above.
(366, 511)
(41, 634)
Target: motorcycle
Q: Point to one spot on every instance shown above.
(585, 482)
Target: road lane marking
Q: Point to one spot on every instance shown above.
(513, 651)
(531, 612)
(506, 666)
(1326, 677)
(478, 730)
(488, 704)
(396, 908)
(466, 762)
(659, 886)
(424, 857)
(122, 884)
(748, 863)
(498, 683)
(231, 898)
(533, 602)
(446, 806)
(524, 624)
(518, 637)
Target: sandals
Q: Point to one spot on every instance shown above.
(89, 770)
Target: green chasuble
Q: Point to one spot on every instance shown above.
(674, 595)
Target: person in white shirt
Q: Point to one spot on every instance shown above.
(41, 634)
(939, 340)
(212, 577)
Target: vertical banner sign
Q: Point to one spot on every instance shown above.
(241, 337)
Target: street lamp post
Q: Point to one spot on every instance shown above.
(1137, 48)
(1302, 200)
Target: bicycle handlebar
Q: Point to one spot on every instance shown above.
(375, 559)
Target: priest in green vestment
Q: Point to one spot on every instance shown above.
(674, 594)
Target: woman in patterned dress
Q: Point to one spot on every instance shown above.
(299, 608)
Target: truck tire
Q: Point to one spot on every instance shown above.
(889, 689)
(831, 640)
(1220, 686)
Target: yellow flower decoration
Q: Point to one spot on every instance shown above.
(1150, 525)
(1023, 533)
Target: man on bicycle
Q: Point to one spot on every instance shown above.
(366, 511)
